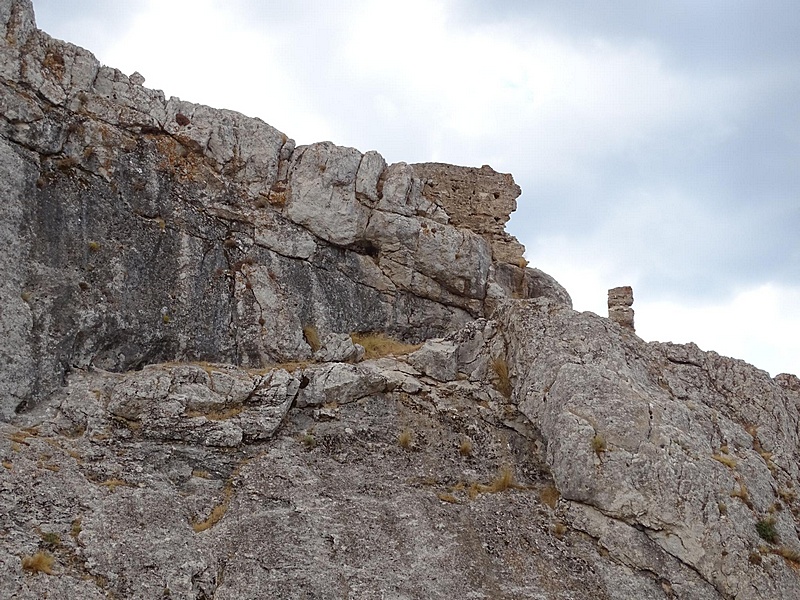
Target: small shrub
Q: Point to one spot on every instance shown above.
(766, 530)
(723, 508)
(754, 558)
(377, 345)
(406, 439)
(503, 381)
(309, 441)
(166, 319)
(559, 529)
(41, 562)
(94, 246)
(312, 337)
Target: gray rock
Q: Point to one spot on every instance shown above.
(339, 347)
(437, 359)
(161, 261)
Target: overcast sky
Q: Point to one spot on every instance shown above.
(657, 144)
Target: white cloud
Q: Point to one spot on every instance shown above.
(760, 325)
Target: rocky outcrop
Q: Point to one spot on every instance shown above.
(141, 229)
(185, 413)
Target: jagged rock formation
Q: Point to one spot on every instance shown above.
(200, 234)
(160, 257)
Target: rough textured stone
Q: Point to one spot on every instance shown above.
(620, 301)
(167, 430)
(157, 229)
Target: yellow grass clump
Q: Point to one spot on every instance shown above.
(377, 345)
(41, 562)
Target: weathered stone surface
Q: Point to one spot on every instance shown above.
(437, 359)
(339, 347)
(628, 425)
(168, 430)
(158, 229)
(620, 300)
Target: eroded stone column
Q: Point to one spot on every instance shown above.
(620, 300)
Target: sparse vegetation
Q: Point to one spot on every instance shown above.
(791, 555)
(406, 439)
(75, 528)
(94, 246)
(308, 440)
(550, 496)
(742, 494)
(559, 529)
(216, 414)
(766, 530)
(599, 444)
(311, 336)
(216, 513)
(726, 460)
(445, 497)
(41, 562)
(377, 345)
(465, 447)
(503, 380)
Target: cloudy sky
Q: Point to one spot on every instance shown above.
(657, 144)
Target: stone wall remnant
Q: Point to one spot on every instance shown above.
(620, 300)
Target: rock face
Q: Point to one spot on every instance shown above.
(138, 229)
(185, 413)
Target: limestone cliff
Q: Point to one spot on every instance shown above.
(208, 387)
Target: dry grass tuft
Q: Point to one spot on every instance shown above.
(550, 496)
(41, 562)
(791, 556)
(445, 497)
(113, 484)
(406, 439)
(726, 460)
(220, 414)
(312, 337)
(503, 381)
(559, 529)
(377, 345)
(465, 447)
(599, 444)
(213, 518)
(742, 494)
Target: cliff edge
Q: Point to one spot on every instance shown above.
(236, 368)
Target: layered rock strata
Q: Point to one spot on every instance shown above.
(524, 450)
(138, 229)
